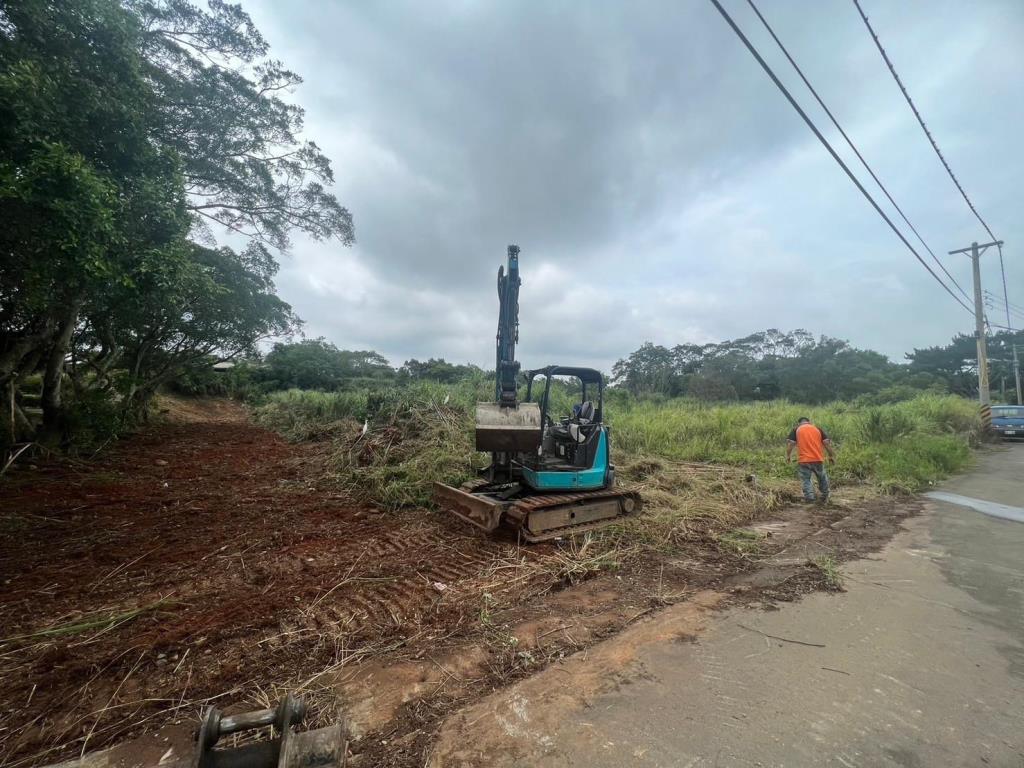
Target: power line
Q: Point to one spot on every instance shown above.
(1001, 304)
(824, 141)
(1018, 313)
(935, 146)
(920, 119)
(1002, 271)
(1003, 301)
(1018, 316)
(856, 151)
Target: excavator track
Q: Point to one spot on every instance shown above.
(542, 516)
(550, 516)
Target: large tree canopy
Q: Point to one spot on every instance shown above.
(123, 127)
(957, 362)
(318, 364)
(219, 99)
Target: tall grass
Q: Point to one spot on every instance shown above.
(307, 415)
(424, 432)
(902, 446)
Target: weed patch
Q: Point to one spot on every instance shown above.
(741, 541)
(829, 568)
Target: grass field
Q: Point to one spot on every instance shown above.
(391, 444)
(899, 447)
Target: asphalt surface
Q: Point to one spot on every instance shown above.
(919, 663)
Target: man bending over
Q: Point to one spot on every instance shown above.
(812, 444)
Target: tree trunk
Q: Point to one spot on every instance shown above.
(12, 360)
(53, 406)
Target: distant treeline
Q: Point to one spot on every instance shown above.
(768, 365)
(130, 133)
(800, 367)
(316, 364)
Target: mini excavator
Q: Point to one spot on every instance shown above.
(547, 478)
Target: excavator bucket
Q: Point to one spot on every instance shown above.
(508, 429)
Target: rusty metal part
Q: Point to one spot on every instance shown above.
(322, 748)
(538, 517)
(475, 508)
(286, 748)
(289, 711)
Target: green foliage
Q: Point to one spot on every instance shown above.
(424, 432)
(95, 419)
(246, 167)
(318, 364)
(764, 366)
(885, 425)
(417, 435)
(829, 568)
(307, 415)
(203, 380)
(438, 369)
(123, 127)
(955, 364)
(917, 441)
(741, 541)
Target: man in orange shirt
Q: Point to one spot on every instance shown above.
(811, 445)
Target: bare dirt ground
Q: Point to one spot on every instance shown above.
(206, 560)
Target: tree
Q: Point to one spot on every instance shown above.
(122, 128)
(318, 364)
(438, 369)
(81, 184)
(956, 363)
(188, 307)
(650, 369)
(763, 365)
(218, 96)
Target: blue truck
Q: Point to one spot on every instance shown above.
(1008, 421)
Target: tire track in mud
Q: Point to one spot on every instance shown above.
(256, 576)
(404, 574)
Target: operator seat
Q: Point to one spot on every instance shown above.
(586, 412)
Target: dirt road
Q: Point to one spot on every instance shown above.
(920, 663)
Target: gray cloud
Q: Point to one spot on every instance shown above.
(660, 187)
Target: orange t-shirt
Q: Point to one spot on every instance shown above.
(810, 443)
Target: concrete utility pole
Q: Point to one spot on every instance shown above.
(979, 317)
(1016, 374)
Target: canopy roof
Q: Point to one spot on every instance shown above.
(586, 375)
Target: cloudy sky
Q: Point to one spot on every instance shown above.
(660, 187)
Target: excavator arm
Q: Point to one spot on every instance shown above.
(506, 367)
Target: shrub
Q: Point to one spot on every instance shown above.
(883, 425)
(304, 415)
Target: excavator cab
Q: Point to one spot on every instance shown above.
(574, 450)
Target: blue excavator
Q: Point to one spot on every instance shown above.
(549, 476)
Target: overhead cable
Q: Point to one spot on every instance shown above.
(810, 124)
(856, 151)
(931, 140)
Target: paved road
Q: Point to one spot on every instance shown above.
(922, 661)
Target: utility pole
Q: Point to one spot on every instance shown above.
(1016, 373)
(979, 317)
